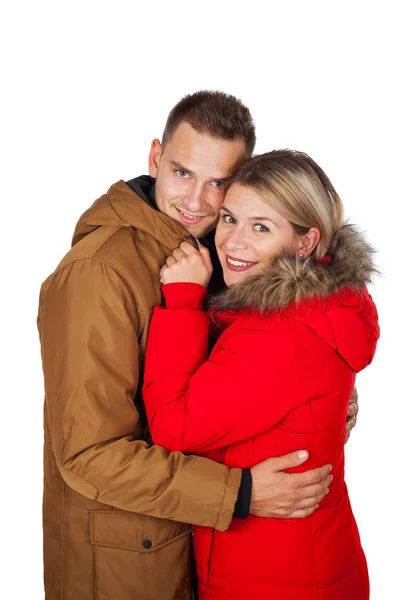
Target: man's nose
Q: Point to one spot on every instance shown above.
(195, 200)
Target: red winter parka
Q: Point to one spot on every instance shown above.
(278, 379)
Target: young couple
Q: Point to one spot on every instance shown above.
(290, 324)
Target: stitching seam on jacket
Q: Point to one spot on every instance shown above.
(93, 259)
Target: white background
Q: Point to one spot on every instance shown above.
(85, 88)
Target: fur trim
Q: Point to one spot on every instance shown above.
(290, 280)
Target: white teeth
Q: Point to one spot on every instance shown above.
(237, 263)
(188, 216)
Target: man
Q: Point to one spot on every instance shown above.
(117, 510)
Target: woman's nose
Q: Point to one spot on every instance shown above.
(236, 240)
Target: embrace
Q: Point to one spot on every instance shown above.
(200, 343)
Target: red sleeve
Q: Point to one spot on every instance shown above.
(184, 295)
(195, 404)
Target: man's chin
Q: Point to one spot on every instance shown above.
(201, 232)
(197, 230)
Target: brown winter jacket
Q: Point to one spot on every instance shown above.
(116, 509)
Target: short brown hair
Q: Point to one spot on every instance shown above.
(217, 114)
(298, 189)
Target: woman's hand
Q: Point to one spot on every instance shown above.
(186, 264)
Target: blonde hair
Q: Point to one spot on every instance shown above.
(298, 189)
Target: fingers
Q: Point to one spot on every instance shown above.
(350, 424)
(205, 254)
(309, 503)
(162, 280)
(294, 459)
(171, 260)
(312, 477)
(319, 490)
(352, 411)
(178, 254)
(302, 513)
(187, 249)
(354, 396)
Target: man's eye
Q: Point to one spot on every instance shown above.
(219, 184)
(182, 174)
(261, 228)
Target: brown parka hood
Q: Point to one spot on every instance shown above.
(121, 206)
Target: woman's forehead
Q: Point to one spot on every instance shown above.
(245, 202)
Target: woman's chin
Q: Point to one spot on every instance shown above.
(230, 277)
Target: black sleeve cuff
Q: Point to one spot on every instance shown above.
(242, 506)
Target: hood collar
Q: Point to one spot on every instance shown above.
(122, 206)
(290, 280)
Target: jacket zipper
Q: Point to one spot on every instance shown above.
(214, 321)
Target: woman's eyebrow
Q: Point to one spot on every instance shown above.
(251, 218)
(263, 219)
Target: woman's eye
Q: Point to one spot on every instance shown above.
(182, 174)
(260, 228)
(228, 219)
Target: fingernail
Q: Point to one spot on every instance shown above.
(330, 469)
(302, 454)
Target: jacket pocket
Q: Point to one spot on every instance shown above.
(137, 556)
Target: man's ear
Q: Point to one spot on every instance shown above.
(308, 242)
(154, 157)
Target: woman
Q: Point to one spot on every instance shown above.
(296, 324)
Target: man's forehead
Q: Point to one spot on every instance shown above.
(193, 150)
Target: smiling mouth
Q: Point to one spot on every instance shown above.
(189, 219)
(234, 264)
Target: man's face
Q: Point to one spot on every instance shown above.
(191, 171)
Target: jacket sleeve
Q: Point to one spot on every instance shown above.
(196, 404)
(90, 363)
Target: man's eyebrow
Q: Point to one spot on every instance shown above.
(181, 167)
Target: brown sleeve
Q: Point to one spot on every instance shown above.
(90, 364)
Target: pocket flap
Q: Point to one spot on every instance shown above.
(130, 531)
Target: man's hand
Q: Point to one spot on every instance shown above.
(283, 495)
(352, 413)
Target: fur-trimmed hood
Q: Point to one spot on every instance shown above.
(290, 280)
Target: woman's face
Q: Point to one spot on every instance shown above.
(250, 234)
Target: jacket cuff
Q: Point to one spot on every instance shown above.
(242, 506)
(225, 515)
(184, 295)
